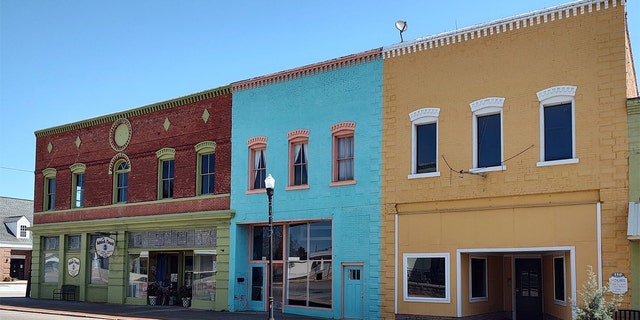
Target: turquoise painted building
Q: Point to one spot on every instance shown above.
(317, 130)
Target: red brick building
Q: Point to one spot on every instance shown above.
(134, 198)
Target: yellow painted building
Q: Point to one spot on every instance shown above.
(505, 165)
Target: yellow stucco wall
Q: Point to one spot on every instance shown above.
(524, 205)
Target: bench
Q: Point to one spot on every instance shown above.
(67, 292)
(627, 315)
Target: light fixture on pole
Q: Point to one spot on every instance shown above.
(402, 26)
(269, 184)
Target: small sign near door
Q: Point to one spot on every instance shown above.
(618, 283)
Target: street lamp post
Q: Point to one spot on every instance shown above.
(269, 184)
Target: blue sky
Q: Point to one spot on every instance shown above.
(67, 61)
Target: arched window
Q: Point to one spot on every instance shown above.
(121, 182)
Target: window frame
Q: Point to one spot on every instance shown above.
(165, 155)
(481, 108)
(254, 145)
(202, 149)
(562, 302)
(78, 170)
(447, 263)
(340, 131)
(23, 232)
(420, 117)
(552, 97)
(54, 253)
(298, 137)
(117, 174)
(485, 280)
(95, 261)
(49, 196)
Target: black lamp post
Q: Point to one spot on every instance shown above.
(269, 183)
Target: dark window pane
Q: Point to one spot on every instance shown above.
(261, 243)
(558, 132)
(489, 141)
(300, 164)
(478, 278)
(207, 171)
(320, 240)
(558, 269)
(426, 277)
(345, 158)
(426, 148)
(298, 241)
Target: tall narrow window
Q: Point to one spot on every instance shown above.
(257, 162)
(559, 280)
(557, 126)
(51, 259)
(49, 189)
(205, 182)
(121, 182)
(424, 143)
(487, 134)
(166, 172)
(298, 163)
(77, 184)
(343, 153)
(478, 278)
(99, 265)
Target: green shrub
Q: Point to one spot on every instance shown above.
(594, 303)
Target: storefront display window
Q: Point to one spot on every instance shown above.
(99, 265)
(138, 274)
(51, 259)
(204, 275)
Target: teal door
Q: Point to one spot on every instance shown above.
(257, 291)
(352, 292)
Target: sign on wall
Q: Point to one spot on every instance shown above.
(618, 283)
(105, 246)
(73, 266)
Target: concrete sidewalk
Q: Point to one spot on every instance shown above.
(127, 312)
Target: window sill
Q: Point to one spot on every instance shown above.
(300, 187)
(557, 162)
(479, 299)
(423, 175)
(255, 191)
(342, 183)
(488, 169)
(432, 300)
(560, 302)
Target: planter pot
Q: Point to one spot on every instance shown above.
(186, 302)
(153, 300)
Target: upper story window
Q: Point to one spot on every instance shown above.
(166, 172)
(557, 126)
(206, 167)
(343, 153)
(424, 143)
(23, 232)
(487, 134)
(257, 162)
(77, 184)
(49, 189)
(298, 160)
(121, 182)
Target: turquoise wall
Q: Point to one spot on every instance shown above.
(315, 102)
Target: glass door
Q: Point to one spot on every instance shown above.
(258, 285)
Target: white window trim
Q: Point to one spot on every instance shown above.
(486, 280)
(405, 293)
(564, 272)
(486, 107)
(420, 117)
(551, 97)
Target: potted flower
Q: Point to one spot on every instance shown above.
(185, 294)
(153, 291)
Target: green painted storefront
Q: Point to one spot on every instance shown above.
(176, 250)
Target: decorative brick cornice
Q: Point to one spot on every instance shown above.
(257, 141)
(527, 20)
(297, 134)
(343, 126)
(309, 70)
(424, 112)
(208, 94)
